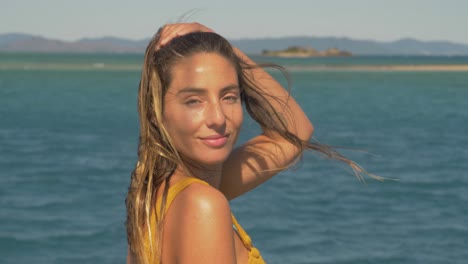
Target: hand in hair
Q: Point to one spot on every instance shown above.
(170, 31)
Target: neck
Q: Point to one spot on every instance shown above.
(210, 174)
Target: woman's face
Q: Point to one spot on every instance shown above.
(202, 108)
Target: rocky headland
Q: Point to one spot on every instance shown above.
(307, 51)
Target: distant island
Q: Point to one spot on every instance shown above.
(18, 42)
(306, 51)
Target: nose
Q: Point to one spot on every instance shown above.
(215, 116)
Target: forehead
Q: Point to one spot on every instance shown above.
(202, 70)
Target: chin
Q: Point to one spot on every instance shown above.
(218, 160)
(213, 158)
(205, 159)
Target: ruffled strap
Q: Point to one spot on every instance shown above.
(246, 240)
(171, 195)
(176, 189)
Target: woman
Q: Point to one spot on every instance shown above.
(192, 90)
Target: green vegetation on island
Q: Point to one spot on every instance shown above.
(307, 51)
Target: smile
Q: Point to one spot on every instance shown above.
(215, 141)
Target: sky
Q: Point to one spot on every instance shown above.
(381, 20)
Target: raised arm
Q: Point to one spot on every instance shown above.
(263, 156)
(268, 153)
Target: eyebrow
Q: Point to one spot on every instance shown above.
(203, 90)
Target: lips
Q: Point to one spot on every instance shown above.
(215, 141)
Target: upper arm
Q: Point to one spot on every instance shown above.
(201, 227)
(255, 162)
(265, 155)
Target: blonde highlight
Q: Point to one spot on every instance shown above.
(157, 156)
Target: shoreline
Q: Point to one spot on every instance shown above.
(384, 68)
(292, 68)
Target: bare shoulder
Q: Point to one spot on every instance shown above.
(202, 199)
(199, 226)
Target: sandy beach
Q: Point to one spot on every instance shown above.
(385, 68)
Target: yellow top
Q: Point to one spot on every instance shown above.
(254, 254)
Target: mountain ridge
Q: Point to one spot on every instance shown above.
(20, 42)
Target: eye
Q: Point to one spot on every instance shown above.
(232, 99)
(192, 102)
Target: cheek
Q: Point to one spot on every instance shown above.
(183, 121)
(236, 116)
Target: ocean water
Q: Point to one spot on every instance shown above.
(68, 137)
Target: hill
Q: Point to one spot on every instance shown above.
(356, 47)
(16, 42)
(304, 52)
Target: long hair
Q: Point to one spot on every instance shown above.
(157, 156)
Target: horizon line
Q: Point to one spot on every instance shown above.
(235, 38)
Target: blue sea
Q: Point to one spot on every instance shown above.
(68, 140)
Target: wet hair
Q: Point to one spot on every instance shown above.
(157, 156)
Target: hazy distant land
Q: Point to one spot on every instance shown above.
(15, 42)
(12, 45)
(306, 52)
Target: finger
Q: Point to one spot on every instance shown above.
(171, 31)
(201, 27)
(164, 35)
